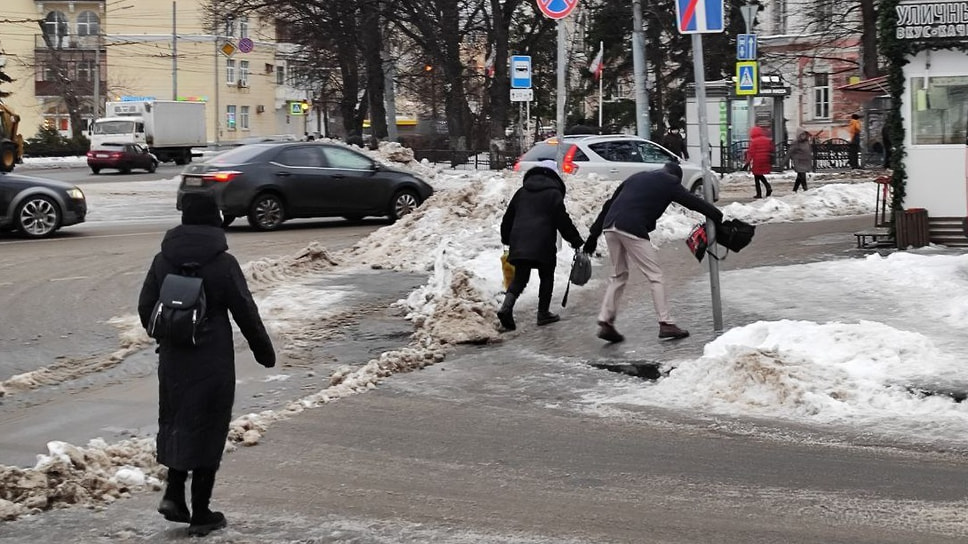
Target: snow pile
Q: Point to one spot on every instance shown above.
(72, 476)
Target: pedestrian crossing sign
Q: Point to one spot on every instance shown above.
(747, 78)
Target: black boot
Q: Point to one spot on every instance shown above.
(506, 314)
(204, 521)
(172, 504)
(545, 317)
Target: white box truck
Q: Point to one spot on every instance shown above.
(168, 128)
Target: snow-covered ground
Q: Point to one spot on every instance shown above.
(847, 363)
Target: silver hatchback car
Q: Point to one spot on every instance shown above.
(614, 156)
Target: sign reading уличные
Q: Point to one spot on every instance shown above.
(929, 20)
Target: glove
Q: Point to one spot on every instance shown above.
(577, 244)
(267, 360)
(589, 247)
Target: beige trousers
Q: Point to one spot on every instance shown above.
(625, 249)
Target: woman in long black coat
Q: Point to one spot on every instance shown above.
(531, 223)
(197, 384)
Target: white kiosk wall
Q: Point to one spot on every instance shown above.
(935, 113)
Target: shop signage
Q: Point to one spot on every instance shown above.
(932, 20)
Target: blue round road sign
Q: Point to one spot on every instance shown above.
(557, 9)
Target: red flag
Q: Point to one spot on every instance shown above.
(596, 66)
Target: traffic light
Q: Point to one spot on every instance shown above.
(304, 106)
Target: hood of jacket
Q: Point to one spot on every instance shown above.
(193, 244)
(802, 134)
(757, 132)
(542, 179)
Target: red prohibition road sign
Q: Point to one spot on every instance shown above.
(557, 9)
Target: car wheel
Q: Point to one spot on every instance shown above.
(698, 190)
(152, 167)
(403, 203)
(38, 216)
(227, 220)
(267, 212)
(95, 171)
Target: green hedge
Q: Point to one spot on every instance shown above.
(49, 143)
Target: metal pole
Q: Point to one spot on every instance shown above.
(97, 77)
(560, 128)
(389, 97)
(601, 47)
(174, 54)
(707, 188)
(643, 124)
(215, 71)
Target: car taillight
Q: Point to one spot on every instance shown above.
(568, 165)
(90, 153)
(222, 177)
(517, 164)
(115, 155)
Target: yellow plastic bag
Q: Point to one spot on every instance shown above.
(508, 270)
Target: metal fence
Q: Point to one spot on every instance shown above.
(466, 159)
(832, 154)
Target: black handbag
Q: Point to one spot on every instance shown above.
(581, 272)
(735, 234)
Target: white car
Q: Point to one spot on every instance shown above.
(614, 156)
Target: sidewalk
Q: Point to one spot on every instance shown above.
(491, 446)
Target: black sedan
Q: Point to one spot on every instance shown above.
(272, 182)
(37, 207)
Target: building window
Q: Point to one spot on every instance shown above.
(244, 117)
(230, 117)
(55, 29)
(88, 24)
(85, 70)
(244, 72)
(280, 75)
(780, 16)
(230, 72)
(821, 96)
(823, 13)
(939, 110)
(229, 26)
(244, 27)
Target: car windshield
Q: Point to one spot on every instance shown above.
(113, 127)
(239, 155)
(540, 152)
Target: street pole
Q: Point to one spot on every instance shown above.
(643, 124)
(97, 76)
(215, 71)
(560, 129)
(749, 17)
(389, 97)
(174, 54)
(707, 188)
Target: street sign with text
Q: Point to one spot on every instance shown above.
(522, 95)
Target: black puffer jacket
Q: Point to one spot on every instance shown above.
(197, 384)
(535, 215)
(641, 199)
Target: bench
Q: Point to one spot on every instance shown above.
(875, 237)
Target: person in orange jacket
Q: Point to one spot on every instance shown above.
(759, 157)
(854, 128)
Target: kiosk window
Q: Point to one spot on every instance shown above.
(939, 110)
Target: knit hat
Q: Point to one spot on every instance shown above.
(200, 209)
(673, 168)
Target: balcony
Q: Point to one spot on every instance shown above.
(71, 41)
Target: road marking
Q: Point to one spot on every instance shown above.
(70, 278)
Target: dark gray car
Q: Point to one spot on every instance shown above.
(272, 182)
(37, 207)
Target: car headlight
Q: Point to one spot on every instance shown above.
(75, 193)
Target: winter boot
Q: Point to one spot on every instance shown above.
(204, 521)
(172, 504)
(506, 314)
(608, 333)
(670, 330)
(545, 317)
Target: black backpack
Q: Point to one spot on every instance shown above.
(179, 315)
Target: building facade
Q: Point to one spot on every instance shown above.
(69, 57)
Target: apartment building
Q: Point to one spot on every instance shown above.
(70, 56)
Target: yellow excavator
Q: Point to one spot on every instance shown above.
(11, 141)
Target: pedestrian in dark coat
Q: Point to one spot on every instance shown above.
(531, 223)
(627, 218)
(197, 384)
(674, 142)
(759, 156)
(801, 155)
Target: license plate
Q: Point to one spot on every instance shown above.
(193, 181)
(101, 155)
